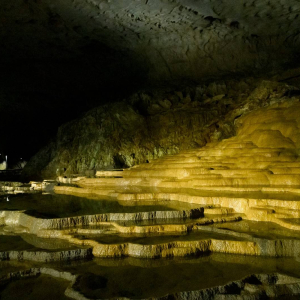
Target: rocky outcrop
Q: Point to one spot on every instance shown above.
(147, 126)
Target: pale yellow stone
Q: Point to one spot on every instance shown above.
(252, 176)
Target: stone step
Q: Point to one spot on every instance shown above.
(181, 154)
(285, 170)
(263, 230)
(279, 191)
(239, 202)
(109, 174)
(235, 145)
(199, 164)
(287, 164)
(218, 182)
(284, 179)
(159, 175)
(257, 178)
(247, 159)
(165, 173)
(94, 182)
(46, 256)
(110, 184)
(182, 159)
(175, 166)
(207, 172)
(137, 217)
(145, 193)
(255, 175)
(30, 247)
(282, 212)
(202, 240)
(237, 151)
(156, 238)
(261, 164)
(234, 172)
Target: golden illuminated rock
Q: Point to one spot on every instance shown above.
(240, 196)
(255, 174)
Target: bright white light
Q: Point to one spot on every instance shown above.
(7, 199)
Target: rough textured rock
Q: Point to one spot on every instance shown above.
(254, 174)
(44, 256)
(176, 39)
(60, 58)
(147, 126)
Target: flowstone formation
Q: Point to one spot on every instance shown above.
(253, 176)
(217, 222)
(175, 170)
(149, 125)
(60, 58)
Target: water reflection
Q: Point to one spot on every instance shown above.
(54, 206)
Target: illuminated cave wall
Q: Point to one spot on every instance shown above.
(61, 58)
(146, 126)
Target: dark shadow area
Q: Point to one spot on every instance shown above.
(37, 96)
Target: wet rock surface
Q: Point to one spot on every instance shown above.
(47, 256)
(33, 286)
(194, 178)
(232, 205)
(180, 278)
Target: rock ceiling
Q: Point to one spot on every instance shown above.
(173, 39)
(75, 54)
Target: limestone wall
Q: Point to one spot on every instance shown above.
(149, 125)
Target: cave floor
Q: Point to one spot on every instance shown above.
(182, 253)
(134, 278)
(220, 222)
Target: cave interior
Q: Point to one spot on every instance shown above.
(150, 149)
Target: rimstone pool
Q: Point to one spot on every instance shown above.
(149, 149)
(219, 222)
(107, 249)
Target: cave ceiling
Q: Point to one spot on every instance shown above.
(61, 57)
